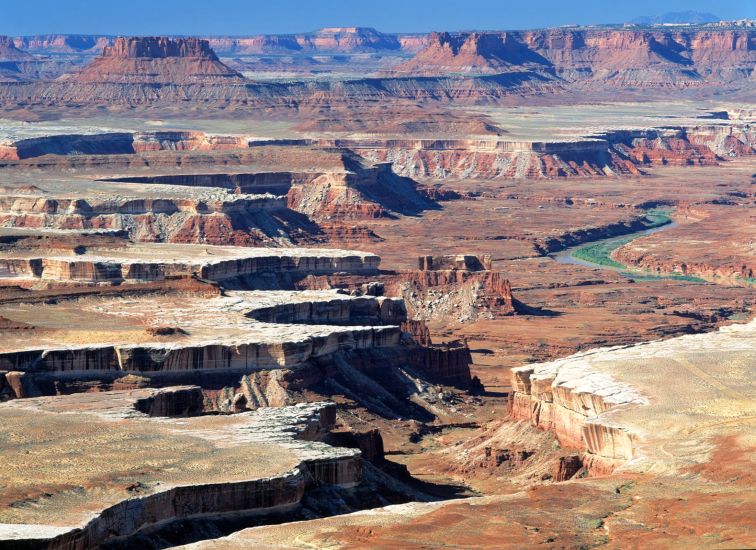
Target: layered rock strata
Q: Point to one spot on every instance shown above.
(620, 152)
(155, 262)
(238, 344)
(616, 406)
(157, 60)
(117, 143)
(627, 57)
(252, 463)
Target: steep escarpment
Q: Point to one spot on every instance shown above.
(157, 60)
(614, 404)
(471, 53)
(122, 501)
(645, 58)
(566, 402)
(619, 152)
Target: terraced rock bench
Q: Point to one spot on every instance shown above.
(162, 334)
(153, 262)
(118, 470)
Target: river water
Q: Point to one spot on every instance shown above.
(566, 256)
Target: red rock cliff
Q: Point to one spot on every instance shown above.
(158, 60)
(624, 56)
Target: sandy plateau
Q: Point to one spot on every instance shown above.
(354, 289)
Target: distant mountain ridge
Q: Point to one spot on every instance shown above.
(677, 18)
(326, 40)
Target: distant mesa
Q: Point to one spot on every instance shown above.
(677, 18)
(627, 57)
(158, 60)
(473, 52)
(158, 47)
(327, 40)
(352, 39)
(9, 51)
(63, 43)
(13, 61)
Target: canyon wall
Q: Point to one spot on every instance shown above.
(626, 57)
(568, 403)
(618, 152)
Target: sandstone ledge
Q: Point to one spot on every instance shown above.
(257, 461)
(153, 262)
(641, 407)
(206, 333)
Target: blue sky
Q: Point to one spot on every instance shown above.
(238, 17)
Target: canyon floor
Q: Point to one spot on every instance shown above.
(377, 321)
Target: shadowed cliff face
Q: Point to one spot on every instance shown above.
(580, 54)
(9, 51)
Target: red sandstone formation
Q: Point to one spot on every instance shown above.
(158, 60)
(471, 53)
(620, 57)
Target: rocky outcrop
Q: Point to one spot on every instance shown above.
(465, 262)
(460, 287)
(157, 60)
(362, 191)
(447, 363)
(567, 402)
